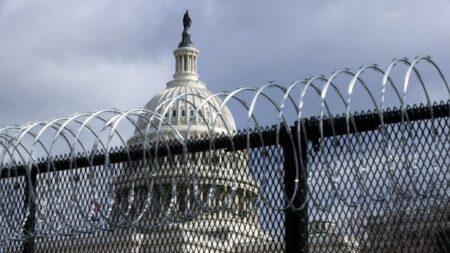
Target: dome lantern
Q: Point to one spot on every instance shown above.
(188, 109)
(186, 54)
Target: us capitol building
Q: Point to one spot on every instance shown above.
(199, 230)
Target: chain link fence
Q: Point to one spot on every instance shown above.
(319, 186)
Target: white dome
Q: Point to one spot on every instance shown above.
(190, 99)
(182, 110)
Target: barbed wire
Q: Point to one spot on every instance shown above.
(23, 150)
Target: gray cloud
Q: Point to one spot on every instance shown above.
(59, 57)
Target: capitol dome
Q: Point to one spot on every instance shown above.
(184, 102)
(197, 189)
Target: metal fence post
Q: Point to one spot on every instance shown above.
(30, 204)
(295, 222)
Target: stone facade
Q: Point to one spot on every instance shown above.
(415, 230)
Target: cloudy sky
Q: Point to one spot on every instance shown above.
(58, 57)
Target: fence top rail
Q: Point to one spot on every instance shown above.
(372, 120)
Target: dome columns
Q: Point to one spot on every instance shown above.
(186, 63)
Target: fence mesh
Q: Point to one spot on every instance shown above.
(384, 190)
(381, 191)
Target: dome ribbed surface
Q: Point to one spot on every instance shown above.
(186, 100)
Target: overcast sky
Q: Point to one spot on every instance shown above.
(58, 57)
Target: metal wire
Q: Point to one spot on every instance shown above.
(25, 148)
